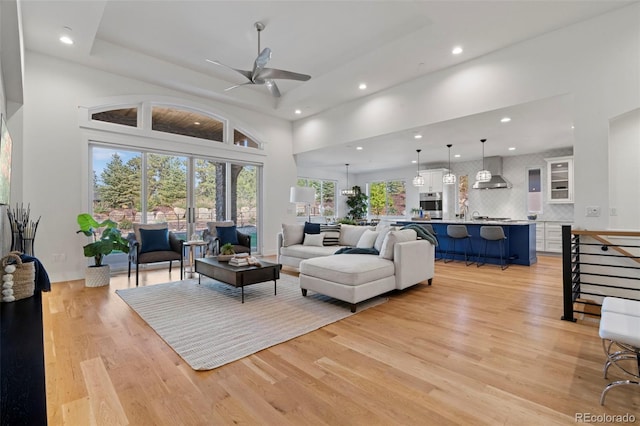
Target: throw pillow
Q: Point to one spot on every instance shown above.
(394, 237)
(138, 226)
(292, 234)
(367, 239)
(331, 234)
(380, 239)
(212, 226)
(313, 239)
(311, 228)
(227, 234)
(154, 240)
(350, 234)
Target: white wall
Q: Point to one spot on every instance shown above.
(55, 160)
(596, 61)
(624, 173)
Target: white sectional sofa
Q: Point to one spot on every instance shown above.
(403, 261)
(292, 250)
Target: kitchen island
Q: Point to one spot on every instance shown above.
(520, 245)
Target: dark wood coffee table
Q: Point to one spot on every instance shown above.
(238, 276)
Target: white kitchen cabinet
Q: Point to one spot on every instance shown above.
(539, 236)
(560, 180)
(553, 236)
(432, 180)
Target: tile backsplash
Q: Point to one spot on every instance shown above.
(512, 202)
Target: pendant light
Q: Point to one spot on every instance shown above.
(449, 178)
(483, 175)
(348, 191)
(418, 180)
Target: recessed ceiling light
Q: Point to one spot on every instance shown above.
(512, 148)
(417, 136)
(362, 86)
(298, 111)
(197, 123)
(457, 155)
(359, 148)
(414, 161)
(572, 127)
(505, 119)
(457, 50)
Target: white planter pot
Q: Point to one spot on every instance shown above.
(97, 276)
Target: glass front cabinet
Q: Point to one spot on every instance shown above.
(560, 180)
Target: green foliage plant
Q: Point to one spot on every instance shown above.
(346, 221)
(106, 237)
(227, 249)
(357, 204)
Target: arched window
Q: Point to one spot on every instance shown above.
(143, 169)
(122, 116)
(187, 123)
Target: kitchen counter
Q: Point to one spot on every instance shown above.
(520, 245)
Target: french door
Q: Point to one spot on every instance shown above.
(183, 191)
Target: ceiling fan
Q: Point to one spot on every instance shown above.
(262, 75)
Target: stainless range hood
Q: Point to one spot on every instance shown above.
(494, 165)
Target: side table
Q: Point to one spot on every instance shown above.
(189, 266)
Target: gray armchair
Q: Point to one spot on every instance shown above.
(153, 243)
(210, 235)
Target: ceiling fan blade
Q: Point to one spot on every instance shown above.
(259, 63)
(263, 58)
(273, 88)
(273, 73)
(246, 74)
(237, 85)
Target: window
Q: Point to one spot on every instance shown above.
(324, 205)
(162, 179)
(241, 139)
(123, 116)
(387, 198)
(187, 123)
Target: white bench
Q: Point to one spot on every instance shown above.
(620, 333)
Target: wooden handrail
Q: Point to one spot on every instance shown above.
(596, 235)
(610, 233)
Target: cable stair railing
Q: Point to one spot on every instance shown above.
(594, 266)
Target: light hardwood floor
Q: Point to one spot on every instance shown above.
(479, 346)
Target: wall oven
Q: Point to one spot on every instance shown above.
(431, 202)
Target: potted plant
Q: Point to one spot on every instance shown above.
(226, 252)
(357, 204)
(106, 238)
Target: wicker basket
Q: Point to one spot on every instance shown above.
(24, 277)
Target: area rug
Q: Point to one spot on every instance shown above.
(208, 326)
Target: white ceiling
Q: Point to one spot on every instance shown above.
(339, 43)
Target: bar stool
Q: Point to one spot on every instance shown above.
(619, 330)
(458, 232)
(493, 233)
(429, 228)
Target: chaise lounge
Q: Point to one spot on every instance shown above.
(403, 261)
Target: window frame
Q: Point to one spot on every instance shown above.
(384, 214)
